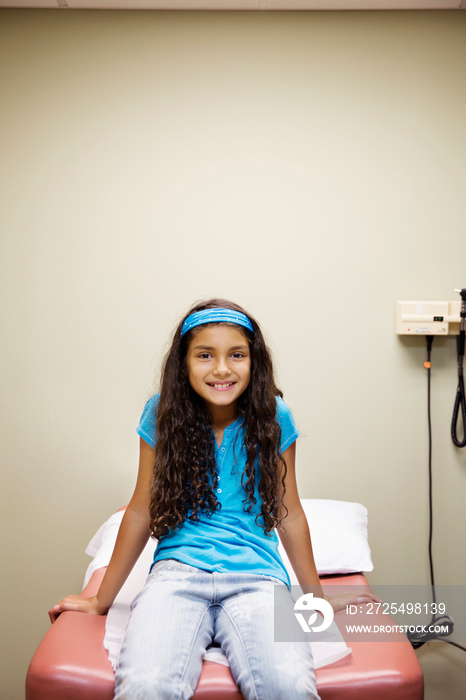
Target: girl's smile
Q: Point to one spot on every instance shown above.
(219, 367)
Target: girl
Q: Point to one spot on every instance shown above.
(216, 480)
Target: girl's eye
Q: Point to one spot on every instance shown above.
(204, 355)
(237, 355)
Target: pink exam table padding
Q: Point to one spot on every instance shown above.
(71, 664)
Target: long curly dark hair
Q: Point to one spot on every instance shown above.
(185, 472)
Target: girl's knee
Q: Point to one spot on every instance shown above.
(298, 688)
(291, 675)
(135, 689)
(150, 688)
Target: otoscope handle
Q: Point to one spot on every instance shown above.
(462, 293)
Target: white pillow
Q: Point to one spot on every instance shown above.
(339, 537)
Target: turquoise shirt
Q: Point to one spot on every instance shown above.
(229, 540)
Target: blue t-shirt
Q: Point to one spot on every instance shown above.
(229, 540)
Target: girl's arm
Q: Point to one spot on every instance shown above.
(294, 531)
(296, 540)
(132, 538)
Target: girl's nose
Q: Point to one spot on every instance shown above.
(221, 368)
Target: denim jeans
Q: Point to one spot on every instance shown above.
(181, 610)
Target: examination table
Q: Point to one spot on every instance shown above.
(71, 662)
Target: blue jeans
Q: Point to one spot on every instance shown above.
(181, 610)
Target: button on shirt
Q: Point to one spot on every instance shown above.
(229, 540)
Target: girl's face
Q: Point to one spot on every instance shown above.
(219, 365)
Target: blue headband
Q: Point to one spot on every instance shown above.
(199, 318)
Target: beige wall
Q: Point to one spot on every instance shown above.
(308, 166)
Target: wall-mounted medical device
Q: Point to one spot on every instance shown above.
(428, 317)
(431, 319)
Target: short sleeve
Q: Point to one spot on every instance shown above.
(146, 427)
(287, 424)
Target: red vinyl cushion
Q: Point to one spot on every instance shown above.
(71, 663)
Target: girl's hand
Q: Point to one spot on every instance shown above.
(77, 603)
(339, 602)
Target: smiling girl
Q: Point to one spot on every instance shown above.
(216, 481)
